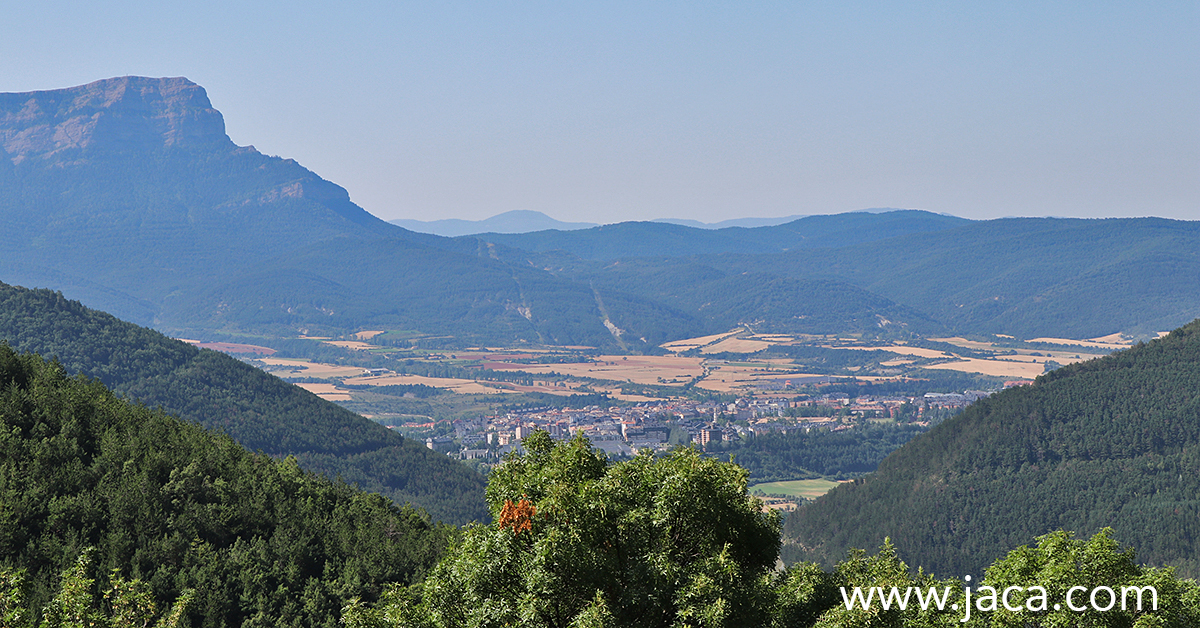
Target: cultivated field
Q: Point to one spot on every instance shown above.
(328, 392)
(638, 369)
(920, 352)
(735, 376)
(304, 368)
(1113, 346)
(675, 371)
(808, 489)
(692, 343)
(1009, 369)
(737, 345)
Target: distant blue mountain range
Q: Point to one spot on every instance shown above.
(525, 221)
(516, 221)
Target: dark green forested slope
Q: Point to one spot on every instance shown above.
(1114, 442)
(395, 284)
(1025, 276)
(1030, 276)
(658, 239)
(258, 410)
(164, 501)
(770, 303)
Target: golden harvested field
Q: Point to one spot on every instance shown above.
(367, 335)
(736, 345)
(901, 349)
(1083, 343)
(640, 369)
(995, 368)
(731, 377)
(305, 368)
(328, 392)
(1114, 339)
(692, 343)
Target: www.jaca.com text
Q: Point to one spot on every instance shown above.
(987, 599)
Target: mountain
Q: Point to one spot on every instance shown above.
(258, 410)
(516, 221)
(127, 194)
(732, 222)
(1030, 277)
(1113, 442)
(660, 239)
(180, 509)
(767, 302)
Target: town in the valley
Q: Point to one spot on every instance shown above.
(661, 425)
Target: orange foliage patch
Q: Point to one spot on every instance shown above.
(518, 516)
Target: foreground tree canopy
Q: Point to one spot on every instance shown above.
(113, 515)
(676, 541)
(577, 541)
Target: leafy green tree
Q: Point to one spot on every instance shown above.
(1095, 573)
(577, 541)
(126, 604)
(808, 597)
(12, 597)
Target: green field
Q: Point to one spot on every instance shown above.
(808, 489)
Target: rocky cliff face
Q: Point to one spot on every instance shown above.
(120, 189)
(129, 113)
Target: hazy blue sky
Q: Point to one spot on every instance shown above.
(606, 111)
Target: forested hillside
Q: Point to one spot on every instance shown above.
(1113, 442)
(660, 239)
(1025, 276)
(255, 540)
(258, 410)
(770, 303)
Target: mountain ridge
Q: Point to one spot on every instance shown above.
(664, 239)
(173, 111)
(137, 227)
(515, 221)
(153, 214)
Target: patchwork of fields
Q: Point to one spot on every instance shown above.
(707, 363)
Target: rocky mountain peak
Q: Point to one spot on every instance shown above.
(117, 114)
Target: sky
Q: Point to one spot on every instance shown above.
(604, 112)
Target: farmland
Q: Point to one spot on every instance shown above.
(738, 363)
(806, 489)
